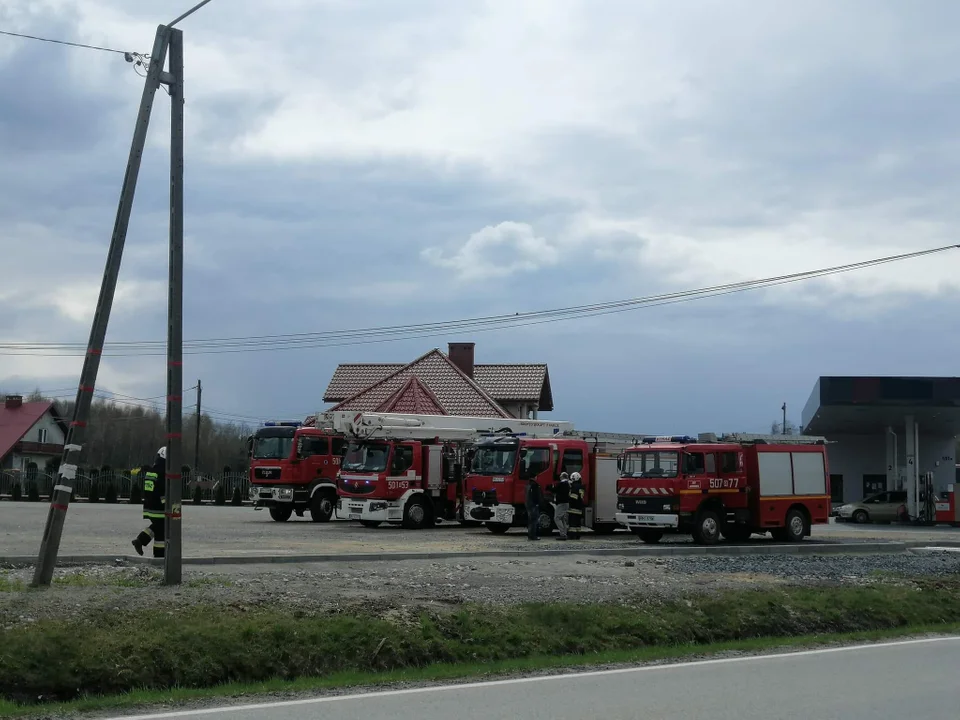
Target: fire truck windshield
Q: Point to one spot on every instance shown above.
(650, 464)
(272, 448)
(366, 457)
(494, 460)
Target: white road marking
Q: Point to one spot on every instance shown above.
(522, 680)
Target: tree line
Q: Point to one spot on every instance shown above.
(127, 436)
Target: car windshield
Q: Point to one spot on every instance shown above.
(650, 464)
(494, 460)
(272, 448)
(366, 457)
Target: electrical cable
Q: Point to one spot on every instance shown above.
(363, 336)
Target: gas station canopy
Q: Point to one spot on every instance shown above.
(867, 405)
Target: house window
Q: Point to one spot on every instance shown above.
(43, 435)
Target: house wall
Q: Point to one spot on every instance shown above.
(55, 436)
(854, 456)
(519, 409)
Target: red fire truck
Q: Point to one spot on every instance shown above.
(405, 468)
(495, 485)
(733, 487)
(293, 468)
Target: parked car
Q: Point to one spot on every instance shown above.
(881, 507)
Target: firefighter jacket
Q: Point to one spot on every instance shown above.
(561, 492)
(155, 490)
(534, 493)
(576, 498)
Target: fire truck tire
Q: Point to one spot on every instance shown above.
(797, 527)
(498, 528)
(547, 524)
(737, 533)
(281, 514)
(416, 514)
(706, 527)
(370, 523)
(650, 537)
(321, 506)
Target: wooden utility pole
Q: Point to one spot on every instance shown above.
(167, 40)
(196, 449)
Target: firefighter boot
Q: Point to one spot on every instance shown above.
(137, 545)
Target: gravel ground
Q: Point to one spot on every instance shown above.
(392, 586)
(107, 530)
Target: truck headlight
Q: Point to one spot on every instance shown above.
(286, 492)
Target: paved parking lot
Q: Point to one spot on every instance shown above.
(107, 529)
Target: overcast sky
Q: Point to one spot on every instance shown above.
(359, 163)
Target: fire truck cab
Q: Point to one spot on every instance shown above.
(732, 487)
(293, 469)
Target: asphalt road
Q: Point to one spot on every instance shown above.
(893, 681)
(107, 529)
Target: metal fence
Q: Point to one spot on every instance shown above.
(98, 487)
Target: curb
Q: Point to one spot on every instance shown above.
(806, 548)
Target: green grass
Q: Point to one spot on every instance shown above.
(447, 672)
(200, 651)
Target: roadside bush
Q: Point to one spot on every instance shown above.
(205, 646)
(16, 492)
(94, 494)
(136, 493)
(33, 492)
(110, 494)
(197, 495)
(220, 496)
(237, 498)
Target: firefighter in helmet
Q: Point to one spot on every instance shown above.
(154, 504)
(577, 504)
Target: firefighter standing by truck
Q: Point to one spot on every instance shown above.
(576, 505)
(154, 504)
(561, 504)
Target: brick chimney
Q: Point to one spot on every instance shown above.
(12, 402)
(461, 355)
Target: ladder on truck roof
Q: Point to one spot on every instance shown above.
(449, 427)
(763, 439)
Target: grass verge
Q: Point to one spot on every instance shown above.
(171, 655)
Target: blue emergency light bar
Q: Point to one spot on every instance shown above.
(650, 440)
(282, 424)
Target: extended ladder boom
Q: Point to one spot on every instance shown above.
(446, 427)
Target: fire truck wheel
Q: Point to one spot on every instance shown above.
(416, 514)
(497, 528)
(796, 527)
(546, 521)
(321, 506)
(737, 533)
(650, 537)
(706, 528)
(281, 514)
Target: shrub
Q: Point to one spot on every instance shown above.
(33, 492)
(136, 493)
(221, 495)
(17, 492)
(94, 494)
(110, 495)
(197, 495)
(237, 498)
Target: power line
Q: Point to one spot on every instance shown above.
(189, 12)
(363, 336)
(66, 42)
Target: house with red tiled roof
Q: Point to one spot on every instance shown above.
(31, 435)
(443, 384)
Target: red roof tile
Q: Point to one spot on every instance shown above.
(413, 397)
(503, 382)
(456, 393)
(350, 378)
(15, 422)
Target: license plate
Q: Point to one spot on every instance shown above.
(354, 516)
(645, 518)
